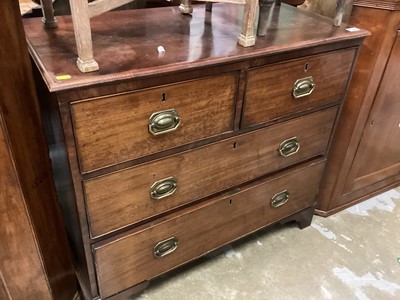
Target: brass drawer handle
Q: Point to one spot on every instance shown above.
(163, 188)
(164, 121)
(289, 147)
(303, 87)
(165, 247)
(280, 199)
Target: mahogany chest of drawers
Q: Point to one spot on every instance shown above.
(160, 158)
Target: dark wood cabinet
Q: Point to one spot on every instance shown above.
(365, 154)
(35, 258)
(160, 158)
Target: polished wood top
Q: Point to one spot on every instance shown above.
(125, 42)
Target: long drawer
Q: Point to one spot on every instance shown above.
(283, 89)
(119, 199)
(116, 129)
(147, 253)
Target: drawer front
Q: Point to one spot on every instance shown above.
(316, 81)
(126, 197)
(140, 256)
(124, 127)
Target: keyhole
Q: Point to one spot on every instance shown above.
(230, 201)
(306, 67)
(164, 97)
(234, 145)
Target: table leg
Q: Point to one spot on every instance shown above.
(83, 36)
(265, 8)
(49, 21)
(247, 37)
(339, 12)
(186, 7)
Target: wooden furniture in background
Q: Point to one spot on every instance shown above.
(339, 11)
(293, 2)
(365, 156)
(329, 8)
(162, 158)
(35, 261)
(82, 12)
(247, 35)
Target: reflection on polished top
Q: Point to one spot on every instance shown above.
(125, 42)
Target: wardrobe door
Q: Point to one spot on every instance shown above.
(378, 153)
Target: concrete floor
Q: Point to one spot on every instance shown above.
(354, 254)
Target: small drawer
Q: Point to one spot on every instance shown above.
(116, 129)
(126, 197)
(184, 236)
(287, 88)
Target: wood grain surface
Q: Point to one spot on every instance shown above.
(108, 192)
(116, 129)
(190, 42)
(128, 261)
(269, 89)
(379, 142)
(34, 246)
(123, 198)
(338, 189)
(379, 4)
(22, 273)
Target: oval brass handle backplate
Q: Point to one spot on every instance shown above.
(163, 188)
(289, 147)
(164, 121)
(303, 87)
(280, 199)
(165, 247)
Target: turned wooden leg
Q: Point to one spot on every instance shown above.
(83, 36)
(48, 14)
(186, 7)
(247, 37)
(339, 12)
